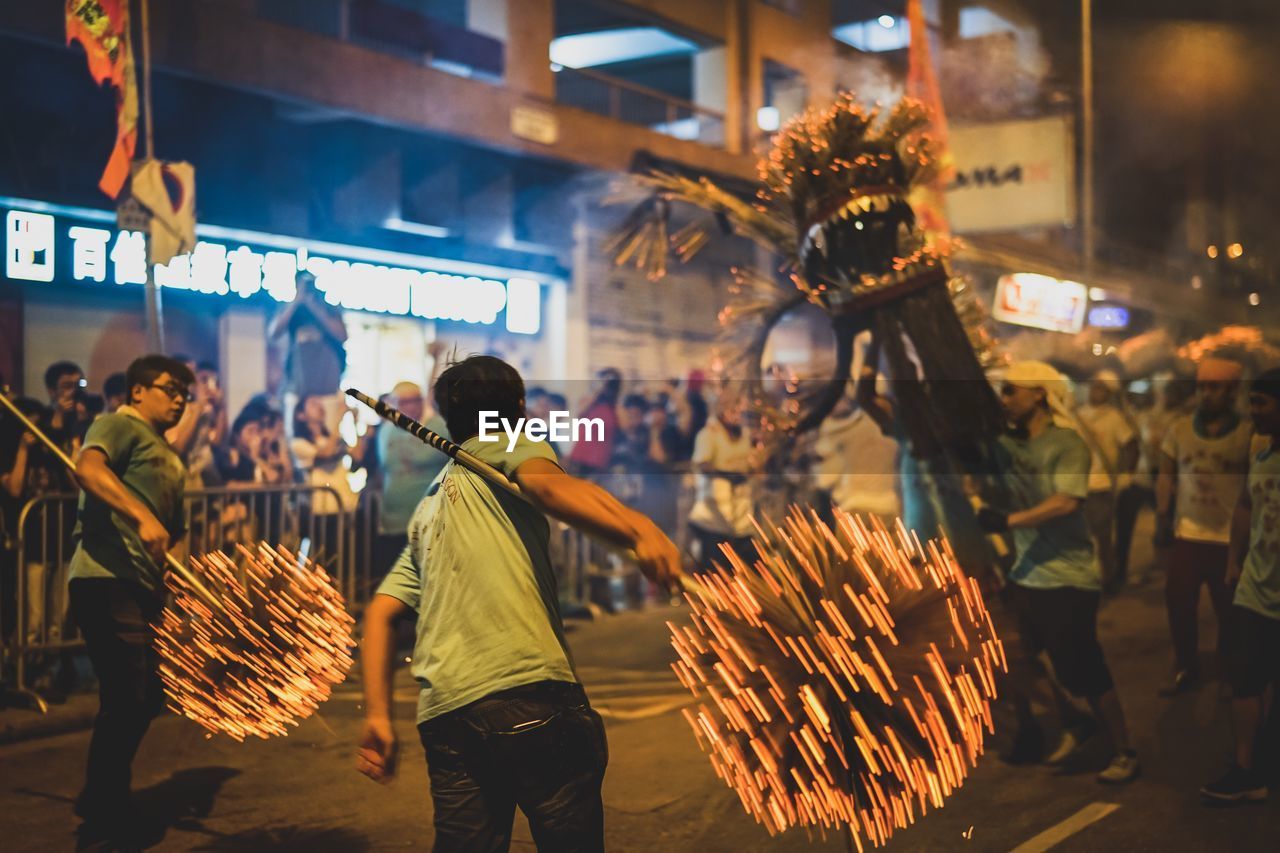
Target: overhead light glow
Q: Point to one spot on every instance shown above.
(585, 50)
(887, 21)
(767, 118)
(421, 229)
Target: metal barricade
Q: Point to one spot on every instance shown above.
(589, 572)
(218, 519)
(368, 571)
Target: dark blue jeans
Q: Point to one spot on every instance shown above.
(540, 747)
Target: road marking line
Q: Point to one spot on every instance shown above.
(1060, 832)
(655, 710)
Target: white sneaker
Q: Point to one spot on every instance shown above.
(1124, 768)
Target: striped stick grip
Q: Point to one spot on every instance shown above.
(406, 423)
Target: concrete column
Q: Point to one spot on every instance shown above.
(577, 317)
(739, 98)
(488, 17)
(488, 207)
(242, 355)
(711, 85)
(710, 78)
(528, 63)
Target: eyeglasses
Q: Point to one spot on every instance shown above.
(173, 391)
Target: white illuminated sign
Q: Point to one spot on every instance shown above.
(103, 256)
(29, 246)
(89, 252)
(1041, 302)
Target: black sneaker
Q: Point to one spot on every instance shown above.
(1027, 747)
(1237, 785)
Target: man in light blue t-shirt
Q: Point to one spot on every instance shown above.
(501, 715)
(1056, 583)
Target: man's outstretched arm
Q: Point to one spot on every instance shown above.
(590, 508)
(376, 755)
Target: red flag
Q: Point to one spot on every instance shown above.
(922, 84)
(102, 28)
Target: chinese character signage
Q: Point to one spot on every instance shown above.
(41, 247)
(1041, 302)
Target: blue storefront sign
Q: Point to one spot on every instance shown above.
(50, 244)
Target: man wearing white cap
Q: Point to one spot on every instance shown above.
(1114, 445)
(1204, 459)
(1055, 582)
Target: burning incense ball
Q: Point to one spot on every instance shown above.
(269, 658)
(847, 675)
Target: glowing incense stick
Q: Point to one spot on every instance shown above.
(845, 677)
(267, 660)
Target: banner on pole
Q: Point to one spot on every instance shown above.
(102, 28)
(168, 193)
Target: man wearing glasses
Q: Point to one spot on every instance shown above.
(130, 512)
(1056, 581)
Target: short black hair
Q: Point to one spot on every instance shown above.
(302, 429)
(59, 369)
(207, 367)
(635, 401)
(116, 386)
(476, 384)
(248, 415)
(144, 370)
(1267, 383)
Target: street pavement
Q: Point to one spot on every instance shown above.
(302, 793)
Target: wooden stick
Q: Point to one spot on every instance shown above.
(170, 560)
(467, 460)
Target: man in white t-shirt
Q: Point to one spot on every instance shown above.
(1204, 459)
(1113, 444)
(857, 464)
(722, 459)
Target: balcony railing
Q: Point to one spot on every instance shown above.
(635, 104)
(391, 28)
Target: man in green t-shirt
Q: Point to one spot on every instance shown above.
(130, 513)
(1253, 567)
(1056, 582)
(501, 715)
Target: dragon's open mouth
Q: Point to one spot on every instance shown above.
(863, 236)
(868, 242)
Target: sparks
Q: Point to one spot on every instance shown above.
(269, 659)
(877, 650)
